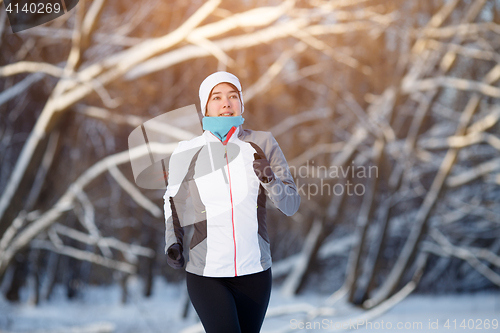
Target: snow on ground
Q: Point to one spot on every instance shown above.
(416, 313)
(99, 310)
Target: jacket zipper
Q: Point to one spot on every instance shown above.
(232, 210)
(230, 192)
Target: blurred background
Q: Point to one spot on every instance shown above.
(386, 111)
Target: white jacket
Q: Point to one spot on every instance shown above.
(228, 201)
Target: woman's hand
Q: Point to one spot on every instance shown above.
(262, 169)
(175, 259)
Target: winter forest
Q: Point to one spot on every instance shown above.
(386, 111)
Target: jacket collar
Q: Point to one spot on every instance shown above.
(231, 136)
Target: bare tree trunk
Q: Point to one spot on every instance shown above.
(363, 222)
(123, 284)
(50, 276)
(186, 302)
(33, 277)
(18, 276)
(374, 255)
(296, 277)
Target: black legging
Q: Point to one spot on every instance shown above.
(233, 304)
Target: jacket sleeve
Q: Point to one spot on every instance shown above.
(175, 208)
(281, 190)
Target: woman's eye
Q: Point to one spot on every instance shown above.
(233, 96)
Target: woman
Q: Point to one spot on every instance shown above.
(227, 172)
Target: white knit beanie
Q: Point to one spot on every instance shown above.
(214, 79)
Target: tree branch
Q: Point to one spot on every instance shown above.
(292, 121)
(135, 121)
(19, 88)
(466, 255)
(138, 197)
(452, 82)
(474, 173)
(130, 251)
(66, 202)
(31, 67)
(84, 256)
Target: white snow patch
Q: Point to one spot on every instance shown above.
(100, 310)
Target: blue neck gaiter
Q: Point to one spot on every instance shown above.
(220, 126)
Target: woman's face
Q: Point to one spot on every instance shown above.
(224, 101)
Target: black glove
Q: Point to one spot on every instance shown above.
(262, 169)
(175, 259)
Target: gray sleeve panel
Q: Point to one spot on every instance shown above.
(197, 258)
(283, 195)
(282, 190)
(174, 231)
(265, 253)
(174, 224)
